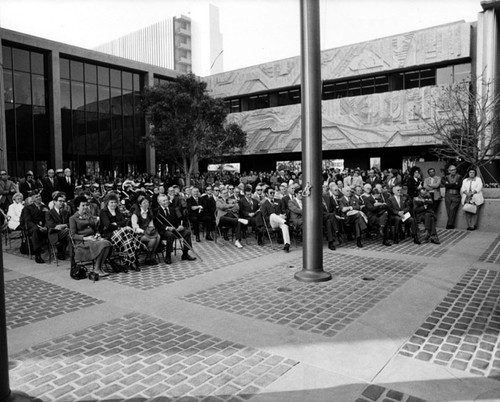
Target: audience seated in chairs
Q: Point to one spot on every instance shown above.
(57, 222)
(271, 217)
(143, 224)
(171, 227)
(114, 227)
(424, 212)
(399, 210)
(88, 243)
(33, 222)
(331, 222)
(227, 215)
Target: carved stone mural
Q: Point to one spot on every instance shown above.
(432, 45)
(389, 119)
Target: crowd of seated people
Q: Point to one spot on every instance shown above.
(141, 211)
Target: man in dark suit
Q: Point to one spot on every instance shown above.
(195, 212)
(33, 220)
(273, 219)
(67, 184)
(351, 211)
(50, 185)
(170, 227)
(209, 204)
(248, 209)
(376, 211)
(57, 223)
(28, 186)
(399, 209)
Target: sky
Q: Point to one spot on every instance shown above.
(254, 31)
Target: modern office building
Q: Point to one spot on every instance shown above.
(67, 106)
(185, 44)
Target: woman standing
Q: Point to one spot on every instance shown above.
(88, 243)
(113, 227)
(472, 193)
(142, 223)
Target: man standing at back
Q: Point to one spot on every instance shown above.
(452, 183)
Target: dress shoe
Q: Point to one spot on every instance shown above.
(187, 257)
(287, 248)
(415, 240)
(386, 242)
(39, 259)
(198, 239)
(331, 246)
(435, 240)
(358, 242)
(450, 227)
(209, 238)
(168, 260)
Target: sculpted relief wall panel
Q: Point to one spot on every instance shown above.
(441, 43)
(390, 119)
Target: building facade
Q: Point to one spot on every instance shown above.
(66, 106)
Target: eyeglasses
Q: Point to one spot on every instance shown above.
(216, 190)
(259, 189)
(271, 192)
(3, 174)
(230, 188)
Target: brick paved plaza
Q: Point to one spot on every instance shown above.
(402, 323)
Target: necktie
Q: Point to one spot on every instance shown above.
(69, 180)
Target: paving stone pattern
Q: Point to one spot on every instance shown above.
(323, 308)
(492, 254)
(29, 300)
(376, 393)
(215, 256)
(447, 238)
(138, 356)
(463, 332)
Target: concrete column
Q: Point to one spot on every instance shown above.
(312, 251)
(150, 151)
(3, 127)
(55, 124)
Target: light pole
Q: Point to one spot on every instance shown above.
(312, 251)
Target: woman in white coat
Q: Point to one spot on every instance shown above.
(472, 192)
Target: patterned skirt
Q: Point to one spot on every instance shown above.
(125, 242)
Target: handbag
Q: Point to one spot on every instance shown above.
(470, 208)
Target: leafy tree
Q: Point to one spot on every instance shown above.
(466, 124)
(188, 125)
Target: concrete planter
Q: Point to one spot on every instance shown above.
(491, 193)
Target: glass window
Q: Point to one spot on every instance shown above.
(22, 88)
(103, 99)
(91, 73)
(127, 80)
(444, 76)
(8, 90)
(91, 97)
(24, 125)
(7, 57)
(76, 70)
(65, 94)
(137, 82)
(341, 89)
(128, 103)
(38, 90)
(41, 132)
(21, 59)
(116, 78)
(427, 77)
(77, 95)
(116, 101)
(103, 75)
(37, 63)
(64, 66)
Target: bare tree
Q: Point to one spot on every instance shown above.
(466, 123)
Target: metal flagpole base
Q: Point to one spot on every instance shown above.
(313, 276)
(20, 397)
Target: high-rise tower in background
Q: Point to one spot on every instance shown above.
(185, 43)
